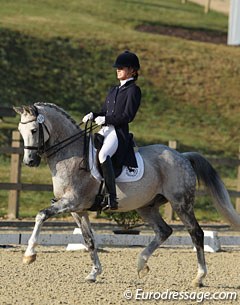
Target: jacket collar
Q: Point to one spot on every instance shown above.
(123, 82)
(127, 84)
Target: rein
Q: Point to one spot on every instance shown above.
(69, 140)
(50, 151)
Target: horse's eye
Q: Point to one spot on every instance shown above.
(34, 130)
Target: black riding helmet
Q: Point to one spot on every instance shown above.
(127, 59)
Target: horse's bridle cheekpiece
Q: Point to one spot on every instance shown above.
(40, 119)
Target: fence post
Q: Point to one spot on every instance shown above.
(207, 6)
(15, 174)
(168, 211)
(238, 184)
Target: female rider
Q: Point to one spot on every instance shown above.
(119, 109)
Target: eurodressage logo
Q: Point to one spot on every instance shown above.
(198, 296)
(131, 172)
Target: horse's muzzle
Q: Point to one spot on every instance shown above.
(34, 161)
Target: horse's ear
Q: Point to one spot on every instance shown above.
(26, 109)
(19, 110)
(32, 110)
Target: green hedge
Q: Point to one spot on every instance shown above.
(58, 70)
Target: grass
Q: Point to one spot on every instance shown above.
(62, 51)
(78, 18)
(190, 89)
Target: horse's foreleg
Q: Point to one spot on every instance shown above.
(30, 254)
(84, 224)
(60, 206)
(162, 231)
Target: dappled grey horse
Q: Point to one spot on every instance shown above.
(169, 176)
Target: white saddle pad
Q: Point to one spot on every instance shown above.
(127, 175)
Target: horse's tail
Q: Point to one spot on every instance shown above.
(207, 174)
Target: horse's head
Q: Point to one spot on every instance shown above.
(34, 133)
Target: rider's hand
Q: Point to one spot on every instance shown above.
(100, 120)
(88, 117)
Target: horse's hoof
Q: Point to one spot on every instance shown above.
(91, 278)
(144, 271)
(196, 284)
(29, 259)
(142, 267)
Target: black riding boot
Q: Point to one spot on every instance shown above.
(109, 179)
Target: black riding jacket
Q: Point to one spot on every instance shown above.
(120, 108)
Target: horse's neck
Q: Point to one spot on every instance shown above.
(62, 128)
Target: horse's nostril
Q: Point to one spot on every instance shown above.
(34, 161)
(31, 162)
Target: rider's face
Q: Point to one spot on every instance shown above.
(124, 73)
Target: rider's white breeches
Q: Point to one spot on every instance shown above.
(110, 143)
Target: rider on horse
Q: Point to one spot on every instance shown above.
(119, 109)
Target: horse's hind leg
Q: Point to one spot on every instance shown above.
(83, 223)
(186, 214)
(162, 231)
